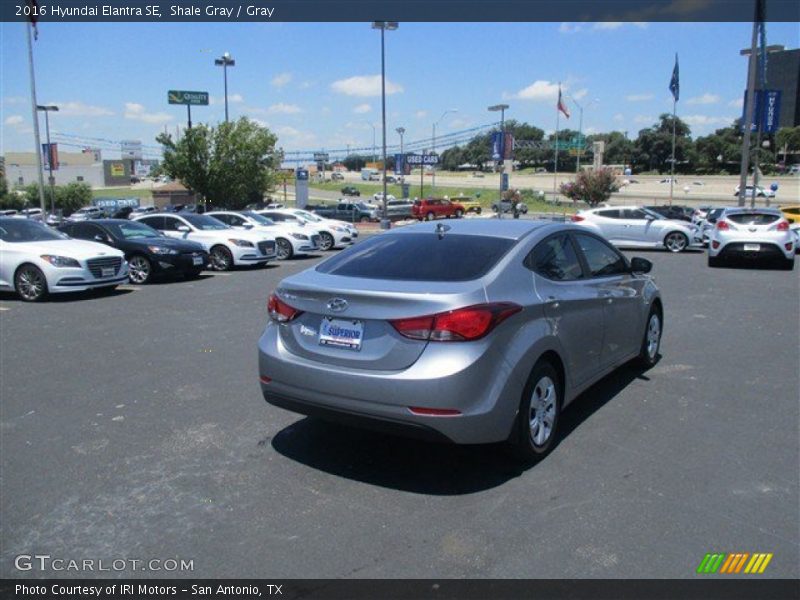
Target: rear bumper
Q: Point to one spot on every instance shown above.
(767, 249)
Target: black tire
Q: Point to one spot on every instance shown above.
(651, 340)
(479, 210)
(787, 264)
(30, 283)
(714, 262)
(284, 249)
(459, 214)
(429, 217)
(140, 270)
(221, 258)
(676, 241)
(531, 443)
(365, 219)
(524, 209)
(326, 241)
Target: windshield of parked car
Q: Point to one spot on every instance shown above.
(204, 223)
(260, 219)
(419, 257)
(133, 231)
(22, 230)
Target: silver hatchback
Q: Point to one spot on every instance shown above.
(474, 331)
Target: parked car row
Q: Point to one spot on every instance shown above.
(36, 260)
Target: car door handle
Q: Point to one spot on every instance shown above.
(553, 301)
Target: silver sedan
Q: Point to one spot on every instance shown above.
(474, 331)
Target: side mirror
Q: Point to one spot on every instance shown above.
(100, 238)
(650, 218)
(640, 265)
(248, 225)
(183, 228)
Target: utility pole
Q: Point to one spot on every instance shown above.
(35, 113)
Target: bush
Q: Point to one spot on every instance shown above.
(592, 187)
(69, 198)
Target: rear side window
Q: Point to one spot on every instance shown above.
(419, 257)
(602, 259)
(609, 214)
(555, 259)
(154, 222)
(752, 218)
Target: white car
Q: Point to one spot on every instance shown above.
(314, 219)
(291, 240)
(752, 234)
(760, 192)
(227, 247)
(34, 214)
(86, 213)
(333, 234)
(36, 260)
(631, 226)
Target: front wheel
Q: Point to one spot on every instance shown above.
(325, 241)
(676, 241)
(429, 216)
(284, 249)
(459, 214)
(221, 258)
(787, 264)
(648, 353)
(30, 283)
(139, 269)
(539, 412)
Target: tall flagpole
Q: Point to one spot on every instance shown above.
(555, 152)
(672, 162)
(749, 102)
(36, 122)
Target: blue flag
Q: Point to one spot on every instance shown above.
(674, 83)
(762, 34)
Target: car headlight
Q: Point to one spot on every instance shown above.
(241, 243)
(161, 250)
(299, 236)
(61, 261)
(339, 229)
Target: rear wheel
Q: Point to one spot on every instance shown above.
(30, 283)
(429, 216)
(459, 214)
(139, 269)
(221, 258)
(325, 241)
(284, 249)
(676, 241)
(539, 412)
(365, 219)
(648, 353)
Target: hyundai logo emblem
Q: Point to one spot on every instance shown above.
(337, 304)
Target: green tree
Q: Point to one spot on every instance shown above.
(592, 187)
(719, 151)
(230, 165)
(68, 198)
(654, 145)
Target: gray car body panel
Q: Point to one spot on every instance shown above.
(484, 378)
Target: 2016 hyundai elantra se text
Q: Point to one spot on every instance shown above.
(473, 331)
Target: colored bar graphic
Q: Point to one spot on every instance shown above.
(733, 562)
(741, 562)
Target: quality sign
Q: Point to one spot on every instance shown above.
(184, 97)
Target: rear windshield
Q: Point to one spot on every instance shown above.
(752, 218)
(419, 257)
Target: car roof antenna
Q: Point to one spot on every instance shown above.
(441, 229)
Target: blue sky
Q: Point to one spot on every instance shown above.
(317, 84)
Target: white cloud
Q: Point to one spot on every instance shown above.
(639, 97)
(569, 28)
(137, 112)
(421, 114)
(580, 94)
(706, 121)
(284, 109)
(538, 90)
(281, 79)
(364, 86)
(704, 99)
(619, 118)
(220, 100)
(459, 123)
(306, 84)
(79, 109)
(738, 103)
(14, 120)
(362, 108)
(644, 119)
(294, 137)
(260, 123)
(15, 100)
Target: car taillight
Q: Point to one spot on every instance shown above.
(783, 226)
(434, 412)
(723, 225)
(577, 218)
(280, 311)
(461, 325)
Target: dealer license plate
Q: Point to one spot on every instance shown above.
(197, 260)
(107, 272)
(341, 333)
(752, 247)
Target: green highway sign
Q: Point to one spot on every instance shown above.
(184, 97)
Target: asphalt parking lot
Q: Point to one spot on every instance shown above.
(133, 427)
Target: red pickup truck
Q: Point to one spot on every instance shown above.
(429, 209)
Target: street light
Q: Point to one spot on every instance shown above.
(401, 131)
(502, 108)
(580, 130)
(384, 26)
(433, 140)
(225, 61)
(46, 109)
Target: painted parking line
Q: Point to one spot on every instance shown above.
(125, 286)
(2, 308)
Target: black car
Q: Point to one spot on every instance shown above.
(147, 251)
(675, 212)
(350, 190)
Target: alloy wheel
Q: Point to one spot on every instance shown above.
(139, 269)
(31, 284)
(676, 242)
(220, 259)
(284, 249)
(543, 411)
(653, 335)
(325, 241)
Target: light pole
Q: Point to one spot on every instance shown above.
(225, 61)
(46, 109)
(401, 131)
(502, 108)
(580, 131)
(433, 140)
(384, 26)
